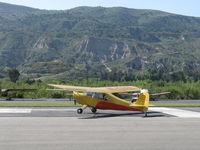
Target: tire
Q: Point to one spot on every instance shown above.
(94, 110)
(80, 111)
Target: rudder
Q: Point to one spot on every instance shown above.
(143, 100)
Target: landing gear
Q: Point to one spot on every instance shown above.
(94, 110)
(145, 114)
(80, 111)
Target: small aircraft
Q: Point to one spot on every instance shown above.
(4, 92)
(155, 95)
(104, 98)
(152, 96)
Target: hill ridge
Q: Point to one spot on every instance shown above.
(93, 39)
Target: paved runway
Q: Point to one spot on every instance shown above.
(71, 112)
(61, 128)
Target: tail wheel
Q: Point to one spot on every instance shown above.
(145, 114)
(80, 111)
(94, 110)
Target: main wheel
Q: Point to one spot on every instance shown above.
(80, 111)
(94, 110)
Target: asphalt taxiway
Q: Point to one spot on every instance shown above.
(62, 128)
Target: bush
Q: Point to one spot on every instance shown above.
(19, 95)
(57, 95)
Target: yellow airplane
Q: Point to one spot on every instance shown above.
(104, 98)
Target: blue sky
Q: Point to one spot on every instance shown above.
(184, 7)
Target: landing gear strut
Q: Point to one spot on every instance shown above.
(94, 110)
(145, 114)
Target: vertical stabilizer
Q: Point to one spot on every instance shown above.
(143, 100)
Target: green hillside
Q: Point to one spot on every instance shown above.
(99, 42)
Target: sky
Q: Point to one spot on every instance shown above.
(183, 7)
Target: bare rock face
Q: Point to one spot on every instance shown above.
(40, 44)
(104, 50)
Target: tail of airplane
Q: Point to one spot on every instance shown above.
(143, 100)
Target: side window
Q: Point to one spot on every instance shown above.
(89, 94)
(100, 96)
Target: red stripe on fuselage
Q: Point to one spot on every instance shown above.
(111, 106)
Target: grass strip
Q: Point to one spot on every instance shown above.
(175, 105)
(38, 105)
(78, 105)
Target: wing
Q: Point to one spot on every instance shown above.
(57, 90)
(18, 90)
(130, 94)
(114, 89)
(159, 94)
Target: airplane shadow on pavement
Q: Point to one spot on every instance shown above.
(151, 114)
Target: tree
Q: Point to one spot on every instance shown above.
(13, 75)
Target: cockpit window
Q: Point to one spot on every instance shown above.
(96, 95)
(89, 94)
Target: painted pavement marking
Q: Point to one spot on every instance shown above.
(171, 111)
(14, 110)
(50, 109)
(176, 112)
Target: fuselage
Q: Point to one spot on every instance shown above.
(111, 102)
